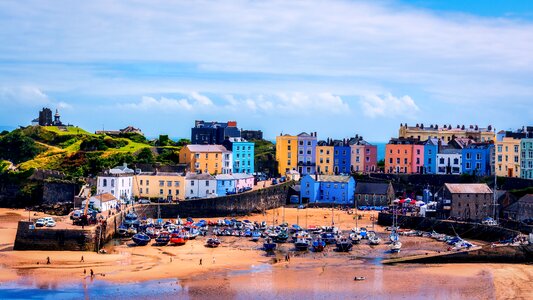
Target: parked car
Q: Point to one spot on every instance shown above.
(76, 214)
(40, 223)
(49, 222)
(144, 201)
(274, 181)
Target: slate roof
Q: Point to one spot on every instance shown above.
(377, 188)
(194, 176)
(468, 188)
(207, 148)
(333, 178)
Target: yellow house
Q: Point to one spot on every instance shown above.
(324, 159)
(446, 132)
(211, 159)
(286, 153)
(159, 185)
(507, 156)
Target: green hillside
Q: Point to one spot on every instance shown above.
(75, 151)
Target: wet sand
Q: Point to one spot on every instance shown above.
(241, 270)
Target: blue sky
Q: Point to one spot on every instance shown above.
(335, 67)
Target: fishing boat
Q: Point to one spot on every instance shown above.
(178, 238)
(151, 232)
(269, 244)
(328, 237)
(131, 219)
(282, 237)
(396, 246)
(374, 240)
(212, 242)
(163, 238)
(131, 230)
(355, 238)
(123, 230)
(363, 232)
(256, 235)
(301, 244)
(318, 245)
(193, 233)
(141, 239)
(343, 244)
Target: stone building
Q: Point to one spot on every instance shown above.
(521, 210)
(467, 201)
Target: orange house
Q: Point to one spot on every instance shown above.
(404, 156)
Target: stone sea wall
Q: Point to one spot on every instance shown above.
(463, 229)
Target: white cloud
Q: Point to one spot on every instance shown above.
(388, 106)
(201, 99)
(23, 95)
(162, 104)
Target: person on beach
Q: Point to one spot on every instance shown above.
(84, 271)
(200, 261)
(92, 273)
(82, 260)
(213, 260)
(48, 260)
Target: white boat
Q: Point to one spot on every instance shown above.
(374, 240)
(396, 246)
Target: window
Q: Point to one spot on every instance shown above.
(192, 182)
(308, 143)
(468, 155)
(418, 160)
(176, 183)
(170, 192)
(207, 183)
(104, 182)
(478, 156)
(417, 151)
(499, 148)
(160, 191)
(455, 161)
(177, 192)
(112, 182)
(398, 160)
(429, 151)
(308, 151)
(367, 159)
(478, 165)
(147, 190)
(141, 190)
(321, 151)
(161, 183)
(516, 158)
(468, 165)
(405, 160)
(169, 183)
(441, 161)
(141, 182)
(390, 160)
(335, 186)
(197, 155)
(301, 143)
(499, 158)
(429, 160)
(343, 152)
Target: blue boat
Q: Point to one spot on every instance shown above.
(318, 245)
(269, 245)
(163, 238)
(141, 239)
(131, 219)
(329, 238)
(256, 235)
(123, 230)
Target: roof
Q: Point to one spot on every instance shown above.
(468, 188)
(377, 188)
(238, 140)
(242, 176)
(206, 148)
(166, 174)
(224, 177)
(105, 197)
(526, 199)
(450, 151)
(305, 134)
(203, 176)
(332, 178)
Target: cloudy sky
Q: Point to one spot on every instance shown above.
(335, 67)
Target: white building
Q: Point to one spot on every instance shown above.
(117, 182)
(449, 161)
(102, 202)
(227, 162)
(200, 186)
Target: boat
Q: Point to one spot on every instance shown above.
(282, 237)
(301, 244)
(318, 245)
(131, 219)
(131, 230)
(344, 245)
(396, 246)
(374, 240)
(178, 238)
(269, 244)
(141, 239)
(212, 242)
(163, 238)
(256, 235)
(193, 233)
(151, 232)
(328, 237)
(355, 238)
(359, 278)
(363, 232)
(123, 230)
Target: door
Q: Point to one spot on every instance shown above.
(510, 172)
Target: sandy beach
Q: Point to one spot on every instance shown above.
(245, 270)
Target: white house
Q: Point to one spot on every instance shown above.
(227, 162)
(200, 186)
(449, 161)
(117, 181)
(243, 181)
(102, 202)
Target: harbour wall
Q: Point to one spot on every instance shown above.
(233, 205)
(463, 229)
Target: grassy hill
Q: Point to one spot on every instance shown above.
(75, 151)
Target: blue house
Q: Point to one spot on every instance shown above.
(477, 159)
(431, 148)
(243, 154)
(341, 157)
(225, 184)
(330, 189)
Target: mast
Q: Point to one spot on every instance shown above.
(495, 181)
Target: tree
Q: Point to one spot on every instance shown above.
(17, 147)
(145, 156)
